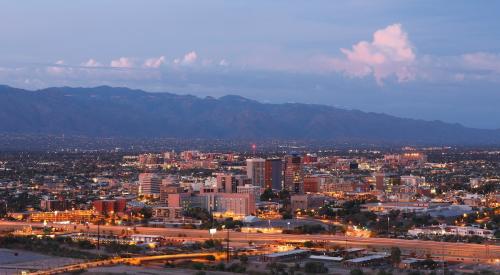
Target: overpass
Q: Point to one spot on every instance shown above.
(131, 261)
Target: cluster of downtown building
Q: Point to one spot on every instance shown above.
(230, 185)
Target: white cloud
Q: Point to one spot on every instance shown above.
(122, 62)
(91, 63)
(188, 59)
(389, 53)
(154, 62)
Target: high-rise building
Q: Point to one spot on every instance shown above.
(235, 205)
(255, 171)
(227, 183)
(166, 190)
(311, 184)
(379, 181)
(294, 174)
(251, 189)
(110, 206)
(149, 184)
(273, 174)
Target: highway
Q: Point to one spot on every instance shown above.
(116, 261)
(464, 252)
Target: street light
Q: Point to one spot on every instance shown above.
(227, 245)
(388, 226)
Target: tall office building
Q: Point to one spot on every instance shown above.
(273, 174)
(228, 183)
(149, 184)
(255, 171)
(294, 174)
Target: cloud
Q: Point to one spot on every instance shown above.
(91, 63)
(122, 62)
(58, 68)
(389, 53)
(482, 61)
(154, 62)
(223, 63)
(188, 59)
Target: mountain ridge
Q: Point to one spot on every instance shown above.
(106, 111)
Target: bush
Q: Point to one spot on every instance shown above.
(308, 244)
(315, 267)
(198, 266)
(212, 244)
(236, 267)
(287, 215)
(356, 272)
(220, 267)
(244, 259)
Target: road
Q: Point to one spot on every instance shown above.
(117, 261)
(463, 252)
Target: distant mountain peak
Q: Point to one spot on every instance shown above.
(122, 112)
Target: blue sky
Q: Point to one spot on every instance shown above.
(434, 60)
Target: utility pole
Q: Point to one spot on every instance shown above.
(99, 235)
(227, 246)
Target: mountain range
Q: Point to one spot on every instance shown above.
(121, 112)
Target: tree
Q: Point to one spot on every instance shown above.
(356, 272)
(237, 268)
(268, 195)
(220, 267)
(315, 267)
(286, 215)
(395, 255)
(308, 244)
(198, 266)
(244, 259)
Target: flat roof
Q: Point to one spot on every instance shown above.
(145, 236)
(354, 249)
(286, 253)
(368, 258)
(326, 258)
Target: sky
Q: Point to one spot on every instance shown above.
(423, 59)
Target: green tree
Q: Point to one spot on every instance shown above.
(315, 267)
(308, 244)
(356, 272)
(395, 255)
(287, 215)
(268, 195)
(244, 259)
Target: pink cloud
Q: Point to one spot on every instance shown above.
(389, 53)
(91, 63)
(58, 69)
(154, 62)
(189, 58)
(122, 62)
(482, 61)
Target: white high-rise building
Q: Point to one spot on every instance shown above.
(256, 171)
(149, 184)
